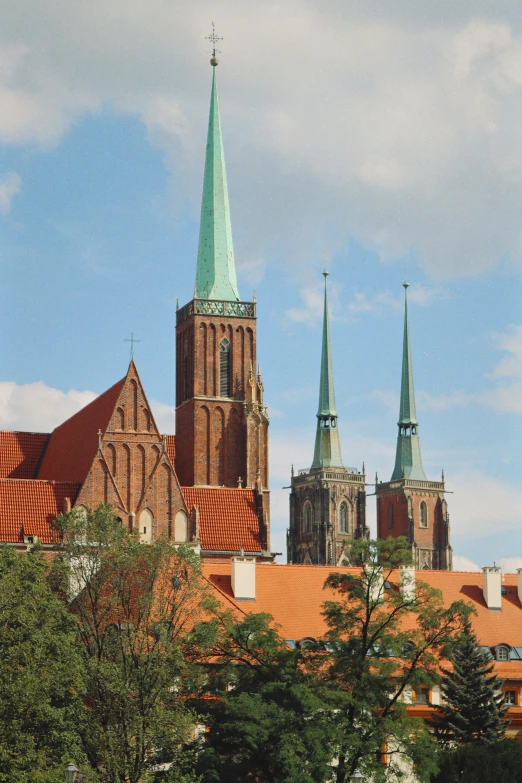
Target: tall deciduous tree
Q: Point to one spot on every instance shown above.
(40, 674)
(386, 636)
(318, 714)
(135, 606)
(473, 708)
(268, 723)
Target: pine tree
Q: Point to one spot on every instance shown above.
(473, 709)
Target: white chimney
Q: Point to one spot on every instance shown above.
(374, 577)
(407, 582)
(491, 587)
(519, 584)
(244, 578)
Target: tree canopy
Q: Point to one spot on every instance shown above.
(319, 713)
(40, 674)
(135, 607)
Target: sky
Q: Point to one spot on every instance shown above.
(379, 140)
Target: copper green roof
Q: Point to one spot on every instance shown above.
(216, 271)
(327, 452)
(408, 461)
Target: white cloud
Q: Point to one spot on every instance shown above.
(477, 513)
(10, 186)
(443, 402)
(313, 309)
(35, 407)
(509, 565)
(164, 416)
(416, 153)
(461, 563)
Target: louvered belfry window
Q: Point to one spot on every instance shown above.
(224, 368)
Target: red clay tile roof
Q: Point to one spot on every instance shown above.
(227, 518)
(294, 595)
(73, 445)
(30, 506)
(171, 448)
(20, 453)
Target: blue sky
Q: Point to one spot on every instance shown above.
(364, 142)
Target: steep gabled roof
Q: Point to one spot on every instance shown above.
(29, 506)
(73, 445)
(227, 518)
(20, 453)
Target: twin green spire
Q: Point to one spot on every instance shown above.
(327, 452)
(408, 462)
(216, 270)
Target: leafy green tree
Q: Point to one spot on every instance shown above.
(500, 762)
(473, 708)
(40, 674)
(135, 606)
(383, 639)
(267, 724)
(318, 714)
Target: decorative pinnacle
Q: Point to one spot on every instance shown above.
(406, 284)
(213, 38)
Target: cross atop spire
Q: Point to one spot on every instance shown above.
(408, 461)
(216, 270)
(213, 38)
(327, 451)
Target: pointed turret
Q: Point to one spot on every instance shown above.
(327, 451)
(408, 462)
(216, 271)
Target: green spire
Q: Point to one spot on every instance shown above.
(216, 271)
(327, 453)
(408, 461)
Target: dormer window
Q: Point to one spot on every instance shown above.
(502, 652)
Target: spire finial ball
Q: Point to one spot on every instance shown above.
(406, 284)
(214, 61)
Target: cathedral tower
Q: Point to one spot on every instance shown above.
(221, 419)
(410, 505)
(327, 502)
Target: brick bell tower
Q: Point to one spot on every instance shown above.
(221, 417)
(409, 504)
(327, 502)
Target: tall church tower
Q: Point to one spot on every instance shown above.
(328, 501)
(221, 418)
(410, 505)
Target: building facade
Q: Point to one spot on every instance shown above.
(327, 501)
(409, 504)
(208, 485)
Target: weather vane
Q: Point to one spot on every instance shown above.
(213, 38)
(131, 340)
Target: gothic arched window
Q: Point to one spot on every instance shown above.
(391, 518)
(224, 368)
(343, 518)
(423, 514)
(307, 518)
(146, 525)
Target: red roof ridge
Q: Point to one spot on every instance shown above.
(37, 481)
(23, 432)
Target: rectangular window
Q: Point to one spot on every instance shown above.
(422, 695)
(510, 697)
